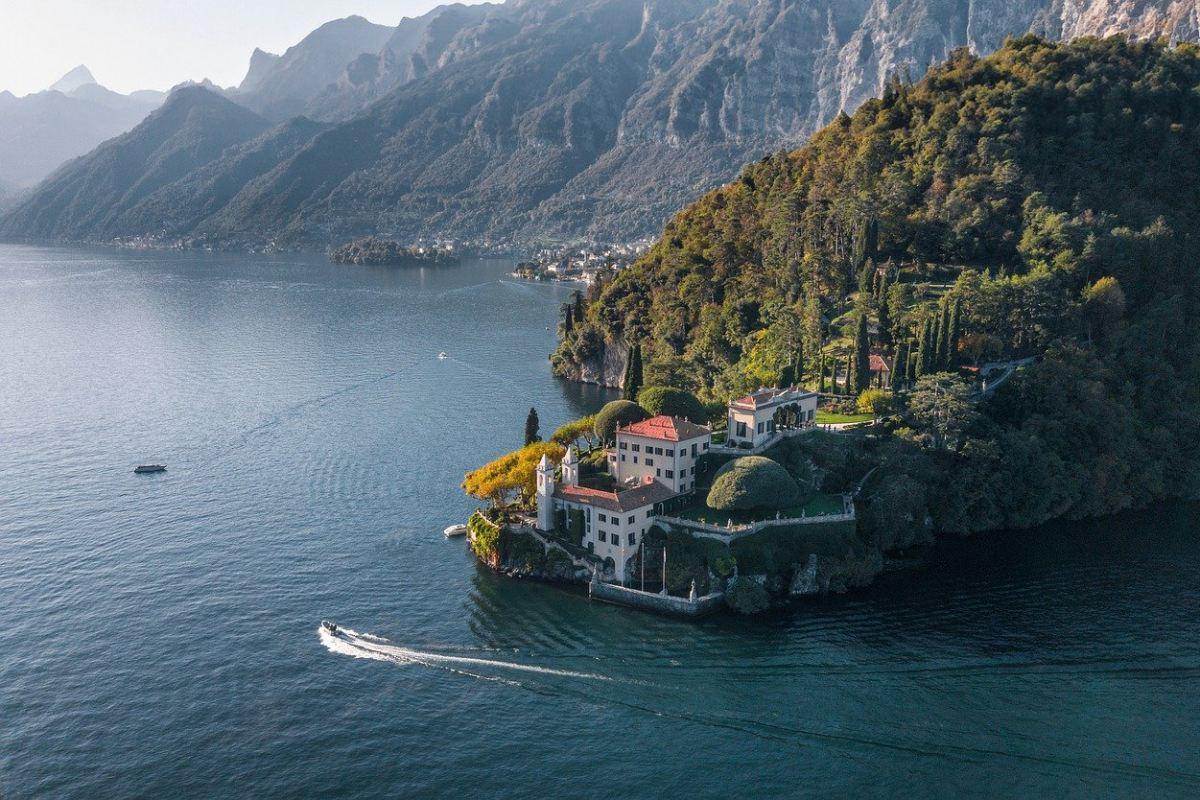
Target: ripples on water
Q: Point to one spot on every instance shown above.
(161, 637)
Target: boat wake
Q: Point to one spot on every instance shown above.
(364, 645)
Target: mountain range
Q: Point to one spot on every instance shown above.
(40, 131)
(557, 119)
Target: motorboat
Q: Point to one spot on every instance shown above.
(145, 468)
(329, 626)
(442, 356)
(455, 530)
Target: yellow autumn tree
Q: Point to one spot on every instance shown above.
(511, 477)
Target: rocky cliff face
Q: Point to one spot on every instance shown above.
(581, 118)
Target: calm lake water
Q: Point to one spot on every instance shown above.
(159, 634)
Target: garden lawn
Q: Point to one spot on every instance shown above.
(826, 418)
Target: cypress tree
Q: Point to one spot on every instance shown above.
(925, 348)
(885, 315)
(910, 367)
(568, 311)
(578, 298)
(848, 385)
(821, 369)
(531, 428)
(899, 367)
(953, 332)
(862, 355)
(633, 374)
(798, 366)
(944, 345)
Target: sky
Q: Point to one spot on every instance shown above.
(155, 44)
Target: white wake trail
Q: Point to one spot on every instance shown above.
(364, 645)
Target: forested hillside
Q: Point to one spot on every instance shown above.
(1040, 202)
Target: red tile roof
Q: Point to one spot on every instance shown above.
(767, 397)
(670, 429)
(644, 494)
(880, 363)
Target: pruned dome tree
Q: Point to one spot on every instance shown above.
(753, 483)
(618, 413)
(673, 403)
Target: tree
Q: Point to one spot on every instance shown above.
(953, 332)
(531, 427)
(862, 355)
(672, 402)
(821, 370)
(582, 429)
(511, 477)
(633, 374)
(618, 413)
(875, 402)
(925, 358)
(1103, 308)
(568, 319)
(577, 300)
(940, 409)
(848, 383)
(885, 318)
(753, 483)
(945, 344)
(900, 367)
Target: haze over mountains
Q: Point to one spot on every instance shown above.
(40, 131)
(535, 118)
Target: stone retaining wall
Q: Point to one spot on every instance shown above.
(657, 603)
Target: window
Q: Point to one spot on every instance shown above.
(658, 451)
(637, 448)
(741, 429)
(622, 456)
(630, 522)
(602, 536)
(632, 539)
(621, 445)
(683, 487)
(770, 426)
(706, 445)
(670, 452)
(658, 473)
(694, 450)
(603, 518)
(649, 462)
(635, 459)
(670, 473)
(760, 428)
(591, 547)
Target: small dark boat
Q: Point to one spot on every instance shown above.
(144, 468)
(329, 626)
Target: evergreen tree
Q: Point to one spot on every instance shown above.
(531, 428)
(633, 374)
(848, 385)
(568, 312)
(787, 376)
(885, 316)
(954, 332)
(821, 370)
(578, 300)
(899, 367)
(910, 366)
(925, 348)
(944, 345)
(866, 277)
(862, 355)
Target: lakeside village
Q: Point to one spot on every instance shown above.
(589, 264)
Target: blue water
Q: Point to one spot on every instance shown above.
(159, 633)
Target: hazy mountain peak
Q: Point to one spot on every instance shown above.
(80, 76)
(260, 64)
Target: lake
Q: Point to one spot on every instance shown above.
(160, 632)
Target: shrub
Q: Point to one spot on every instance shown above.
(752, 483)
(747, 596)
(618, 413)
(673, 403)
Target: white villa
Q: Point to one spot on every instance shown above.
(654, 461)
(753, 421)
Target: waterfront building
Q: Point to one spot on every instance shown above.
(661, 448)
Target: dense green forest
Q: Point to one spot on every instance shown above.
(1039, 202)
